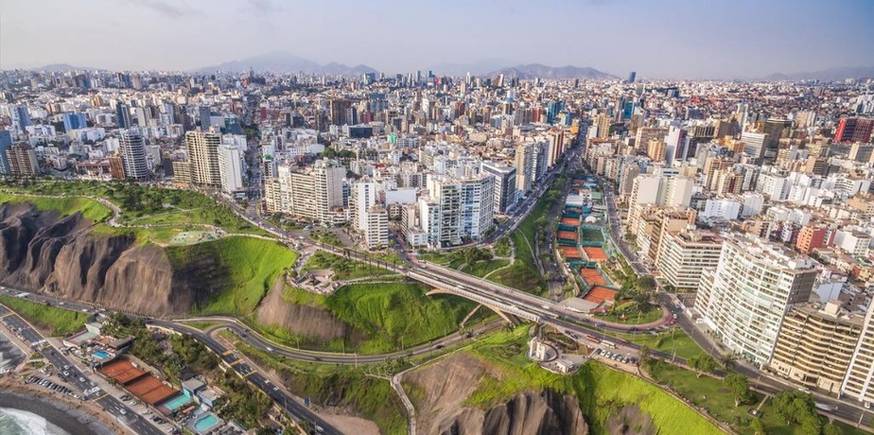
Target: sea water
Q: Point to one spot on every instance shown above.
(18, 422)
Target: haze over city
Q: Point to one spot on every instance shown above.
(666, 39)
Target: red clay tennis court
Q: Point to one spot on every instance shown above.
(595, 253)
(599, 294)
(151, 390)
(570, 221)
(570, 252)
(567, 235)
(122, 371)
(592, 276)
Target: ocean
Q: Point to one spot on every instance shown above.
(18, 422)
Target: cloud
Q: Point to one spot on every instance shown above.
(263, 6)
(168, 9)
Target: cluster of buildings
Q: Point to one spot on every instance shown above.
(436, 159)
(756, 200)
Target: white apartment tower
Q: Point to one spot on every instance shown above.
(231, 168)
(746, 297)
(133, 155)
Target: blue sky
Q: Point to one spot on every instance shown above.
(672, 38)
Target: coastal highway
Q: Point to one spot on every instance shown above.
(76, 378)
(111, 405)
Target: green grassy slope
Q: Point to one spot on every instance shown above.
(252, 264)
(90, 209)
(55, 321)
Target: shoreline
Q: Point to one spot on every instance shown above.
(72, 420)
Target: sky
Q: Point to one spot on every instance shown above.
(656, 38)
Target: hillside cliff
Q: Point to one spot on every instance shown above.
(61, 255)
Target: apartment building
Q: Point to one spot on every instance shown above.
(858, 384)
(744, 299)
(203, 157)
(815, 345)
(376, 232)
(684, 256)
(312, 193)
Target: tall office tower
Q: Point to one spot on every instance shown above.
(133, 155)
(5, 143)
(858, 383)
(376, 230)
(505, 184)
(338, 109)
(815, 345)
(122, 115)
(203, 156)
(525, 166)
(746, 297)
(684, 256)
(231, 168)
(22, 161)
(74, 121)
(854, 129)
(364, 195)
(20, 117)
(204, 114)
(631, 77)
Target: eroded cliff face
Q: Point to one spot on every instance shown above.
(60, 255)
(527, 413)
(446, 385)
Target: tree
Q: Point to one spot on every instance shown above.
(740, 387)
(702, 363)
(757, 427)
(831, 429)
(646, 283)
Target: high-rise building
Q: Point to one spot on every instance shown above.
(133, 154)
(815, 345)
(684, 256)
(364, 196)
(631, 77)
(74, 121)
(376, 231)
(858, 384)
(311, 193)
(203, 156)
(338, 109)
(854, 129)
(862, 152)
(745, 298)
(457, 209)
(525, 166)
(5, 143)
(231, 168)
(22, 161)
(122, 115)
(505, 184)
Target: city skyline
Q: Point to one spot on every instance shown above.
(737, 39)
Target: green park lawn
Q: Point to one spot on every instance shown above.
(670, 342)
(253, 265)
(344, 268)
(599, 389)
(90, 209)
(630, 313)
(56, 322)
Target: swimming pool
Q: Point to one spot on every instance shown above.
(177, 402)
(206, 422)
(101, 354)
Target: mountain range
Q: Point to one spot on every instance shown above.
(536, 70)
(831, 74)
(282, 62)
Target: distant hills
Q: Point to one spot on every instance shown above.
(282, 62)
(62, 68)
(831, 74)
(535, 70)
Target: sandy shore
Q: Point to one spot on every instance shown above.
(69, 417)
